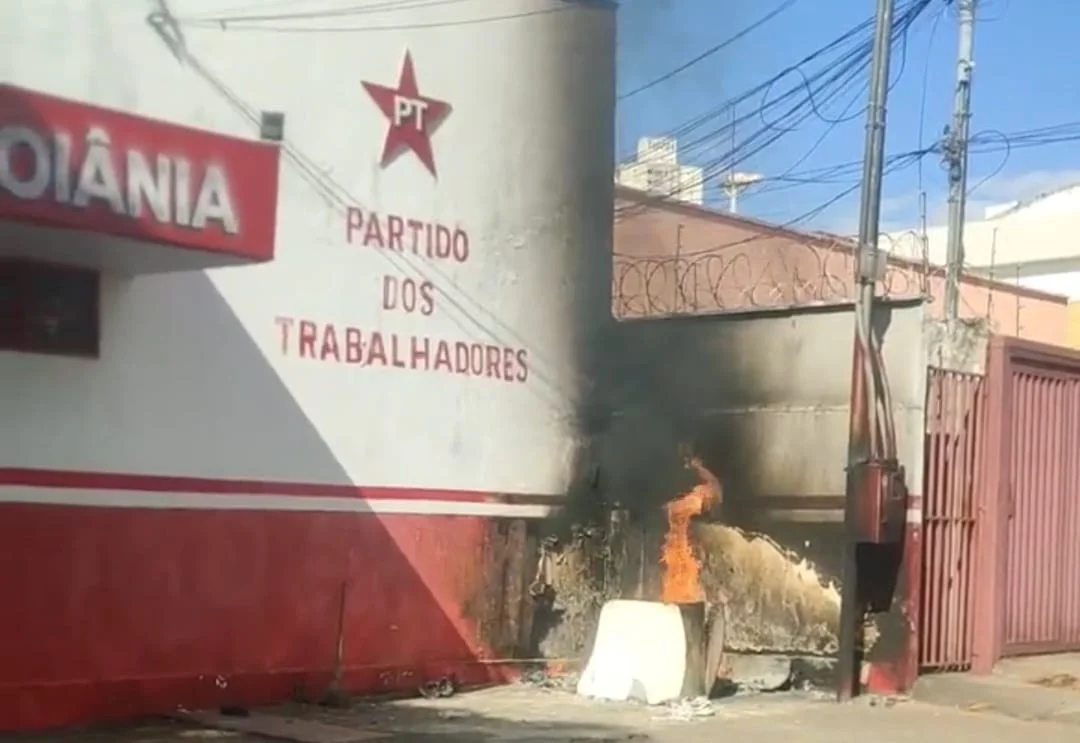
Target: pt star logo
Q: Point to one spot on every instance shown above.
(413, 118)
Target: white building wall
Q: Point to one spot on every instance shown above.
(195, 376)
(680, 182)
(1018, 242)
(657, 170)
(1066, 284)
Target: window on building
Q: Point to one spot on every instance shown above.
(47, 308)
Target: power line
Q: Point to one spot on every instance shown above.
(839, 173)
(926, 86)
(274, 24)
(1000, 166)
(861, 51)
(259, 5)
(844, 71)
(1039, 137)
(804, 100)
(983, 142)
(989, 141)
(386, 6)
(752, 144)
(834, 123)
(894, 164)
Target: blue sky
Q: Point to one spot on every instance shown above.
(1026, 76)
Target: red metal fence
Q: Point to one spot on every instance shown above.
(1001, 560)
(955, 414)
(1042, 575)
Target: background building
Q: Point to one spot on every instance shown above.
(657, 170)
(1032, 243)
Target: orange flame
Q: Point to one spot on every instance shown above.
(681, 581)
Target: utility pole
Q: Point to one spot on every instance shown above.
(956, 156)
(863, 409)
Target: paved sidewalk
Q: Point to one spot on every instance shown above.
(534, 715)
(1036, 688)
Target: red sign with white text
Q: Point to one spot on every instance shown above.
(71, 165)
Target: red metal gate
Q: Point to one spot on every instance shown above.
(1001, 508)
(1027, 596)
(1042, 585)
(955, 413)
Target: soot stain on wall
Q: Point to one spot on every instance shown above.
(657, 382)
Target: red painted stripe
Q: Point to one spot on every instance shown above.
(86, 480)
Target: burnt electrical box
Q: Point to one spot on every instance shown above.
(881, 513)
